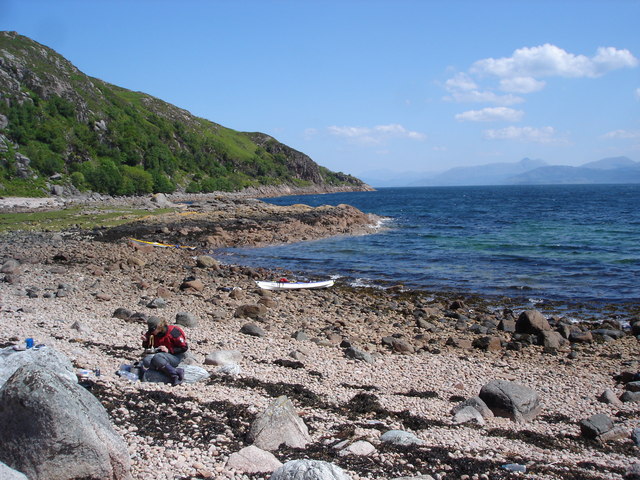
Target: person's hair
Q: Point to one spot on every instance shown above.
(154, 323)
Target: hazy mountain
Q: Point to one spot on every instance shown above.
(612, 163)
(489, 174)
(601, 171)
(524, 172)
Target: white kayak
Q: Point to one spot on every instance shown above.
(293, 285)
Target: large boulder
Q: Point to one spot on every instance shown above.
(279, 424)
(251, 459)
(46, 357)
(532, 321)
(510, 399)
(309, 470)
(54, 429)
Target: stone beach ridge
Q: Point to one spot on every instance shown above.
(382, 384)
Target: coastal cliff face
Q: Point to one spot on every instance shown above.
(62, 131)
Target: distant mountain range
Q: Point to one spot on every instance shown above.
(524, 172)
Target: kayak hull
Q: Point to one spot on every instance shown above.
(293, 285)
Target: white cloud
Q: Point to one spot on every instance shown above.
(521, 73)
(622, 134)
(460, 82)
(375, 135)
(491, 114)
(525, 134)
(477, 96)
(521, 84)
(551, 61)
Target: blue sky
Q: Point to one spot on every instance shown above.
(362, 86)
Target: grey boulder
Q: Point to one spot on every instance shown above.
(400, 437)
(279, 424)
(54, 429)
(511, 400)
(309, 470)
(46, 357)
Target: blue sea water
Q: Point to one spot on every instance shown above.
(577, 246)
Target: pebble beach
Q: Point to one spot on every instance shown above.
(422, 354)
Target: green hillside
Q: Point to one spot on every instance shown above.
(60, 127)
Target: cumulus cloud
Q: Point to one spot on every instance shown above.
(460, 82)
(491, 114)
(521, 73)
(375, 135)
(622, 134)
(525, 134)
(551, 61)
(521, 84)
(477, 96)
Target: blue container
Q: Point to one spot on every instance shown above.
(29, 342)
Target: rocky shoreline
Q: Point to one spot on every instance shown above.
(356, 363)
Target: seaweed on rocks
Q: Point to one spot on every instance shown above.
(293, 391)
(160, 416)
(416, 394)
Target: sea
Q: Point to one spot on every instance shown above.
(571, 250)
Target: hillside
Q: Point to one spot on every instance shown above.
(64, 131)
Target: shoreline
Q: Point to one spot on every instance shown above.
(425, 357)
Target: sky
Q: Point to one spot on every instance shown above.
(366, 86)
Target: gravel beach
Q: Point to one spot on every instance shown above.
(422, 355)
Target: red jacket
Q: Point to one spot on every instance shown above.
(174, 339)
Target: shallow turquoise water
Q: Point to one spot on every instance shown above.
(569, 244)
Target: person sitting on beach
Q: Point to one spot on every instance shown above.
(165, 345)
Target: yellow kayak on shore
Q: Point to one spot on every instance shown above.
(161, 245)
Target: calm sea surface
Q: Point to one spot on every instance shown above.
(576, 247)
